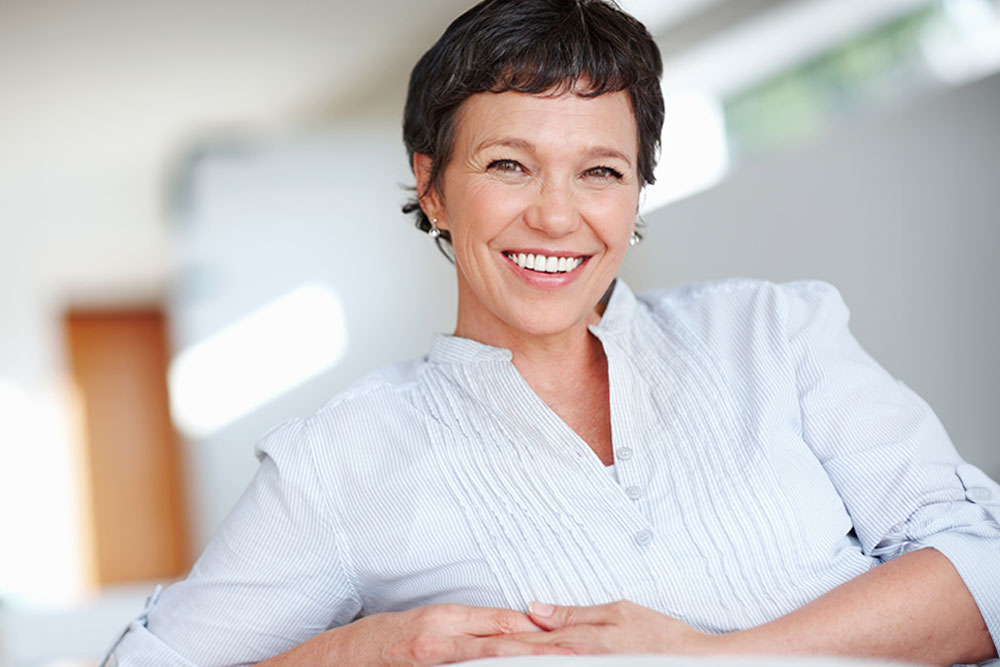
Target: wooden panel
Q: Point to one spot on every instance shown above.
(119, 362)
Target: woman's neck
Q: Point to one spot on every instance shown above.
(556, 365)
(573, 381)
(568, 371)
(542, 360)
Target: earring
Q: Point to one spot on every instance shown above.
(434, 231)
(634, 239)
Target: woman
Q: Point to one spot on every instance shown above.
(709, 469)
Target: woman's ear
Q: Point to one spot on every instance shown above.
(427, 192)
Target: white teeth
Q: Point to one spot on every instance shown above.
(544, 263)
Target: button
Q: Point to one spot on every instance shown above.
(643, 537)
(633, 492)
(978, 494)
(624, 453)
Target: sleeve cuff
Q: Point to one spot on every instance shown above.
(975, 559)
(139, 647)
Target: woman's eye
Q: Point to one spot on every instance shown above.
(605, 173)
(510, 166)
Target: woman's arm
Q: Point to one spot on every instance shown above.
(913, 608)
(430, 635)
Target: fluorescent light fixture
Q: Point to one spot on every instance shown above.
(695, 149)
(290, 340)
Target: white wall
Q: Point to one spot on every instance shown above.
(902, 213)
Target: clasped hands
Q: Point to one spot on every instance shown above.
(447, 633)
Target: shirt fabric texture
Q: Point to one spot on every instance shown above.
(762, 458)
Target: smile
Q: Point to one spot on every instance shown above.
(544, 263)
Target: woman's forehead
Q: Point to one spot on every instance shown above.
(527, 120)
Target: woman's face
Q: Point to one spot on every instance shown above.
(553, 177)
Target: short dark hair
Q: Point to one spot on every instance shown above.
(590, 47)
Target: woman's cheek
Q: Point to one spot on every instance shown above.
(614, 216)
(502, 202)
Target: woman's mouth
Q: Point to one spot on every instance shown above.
(544, 263)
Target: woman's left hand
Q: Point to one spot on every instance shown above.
(617, 627)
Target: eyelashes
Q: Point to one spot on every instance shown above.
(515, 167)
(605, 172)
(511, 166)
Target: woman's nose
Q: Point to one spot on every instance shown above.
(554, 211)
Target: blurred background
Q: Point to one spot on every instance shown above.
(200, 237)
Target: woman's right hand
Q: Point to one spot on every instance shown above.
(432, 635)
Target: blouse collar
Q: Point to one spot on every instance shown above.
(449, 349)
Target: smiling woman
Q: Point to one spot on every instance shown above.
(708, 469)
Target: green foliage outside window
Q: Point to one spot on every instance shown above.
(877, 67)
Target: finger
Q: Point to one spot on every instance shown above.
(500, 646)
(553, 638)
(552, 617)
(487, 621)
(578, 638)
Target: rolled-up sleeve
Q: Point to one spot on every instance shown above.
(888, 455)
(273, 576)
(138, 647)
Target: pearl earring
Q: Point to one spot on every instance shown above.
(434, 231)
(634, 239)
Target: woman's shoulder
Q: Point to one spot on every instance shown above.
(732, 289)
(383, 399)
(739, 303)
(388, 383)
(366, 411)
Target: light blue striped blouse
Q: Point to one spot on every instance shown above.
(761, 459)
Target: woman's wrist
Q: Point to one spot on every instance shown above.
(760, 640)
(738, 642)
(333, 647)
(731, 643)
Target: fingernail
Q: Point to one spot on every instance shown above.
(541, 609)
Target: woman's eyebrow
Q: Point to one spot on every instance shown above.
(606, 151)
(527, 146)
(509, 142)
